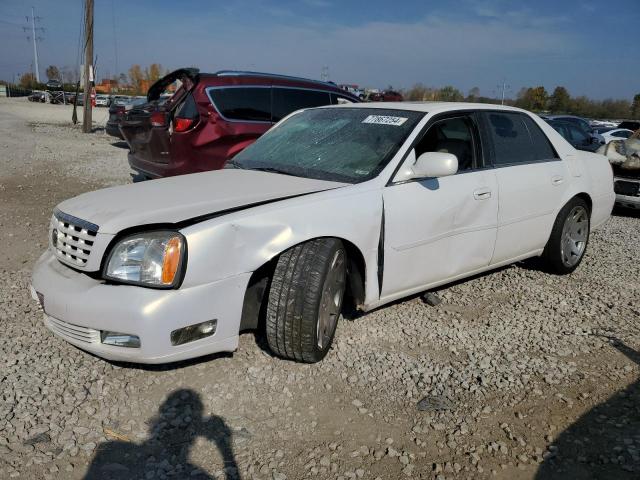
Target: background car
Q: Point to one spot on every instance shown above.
(386, 96)
(580, 122)
(616, 134)
(212, 117)
(102, 101)
(632, 125)
(117, 109)
(575, 135)
(37, 97)
(54, 85)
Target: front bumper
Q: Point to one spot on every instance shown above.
(77, 306)
(627, 192)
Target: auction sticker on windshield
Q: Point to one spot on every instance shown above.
(385, 120)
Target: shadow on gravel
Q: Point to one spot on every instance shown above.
(173, 431)
(120, 144)
(605, 442)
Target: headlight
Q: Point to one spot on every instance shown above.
(152, 259)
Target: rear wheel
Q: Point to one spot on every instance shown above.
(305, 299)
(569, 237)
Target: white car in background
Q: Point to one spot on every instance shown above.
(616, 134)
(102, 101)
(362, 202)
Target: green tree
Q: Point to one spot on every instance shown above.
(635, 107)
(560, 100)
(450, 94)
(52, 72)
(532, 98)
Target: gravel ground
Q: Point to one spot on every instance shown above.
(516, 374)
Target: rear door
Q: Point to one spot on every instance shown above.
(532, 180)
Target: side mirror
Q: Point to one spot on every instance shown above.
(428, 165)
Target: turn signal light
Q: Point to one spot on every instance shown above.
(171, 260)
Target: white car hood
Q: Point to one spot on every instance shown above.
(176, 199)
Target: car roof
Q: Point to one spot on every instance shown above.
(430, 107)
(273, 77)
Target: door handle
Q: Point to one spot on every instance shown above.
(557, 180)
(482, 194)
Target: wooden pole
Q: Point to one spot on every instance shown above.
(88, 65)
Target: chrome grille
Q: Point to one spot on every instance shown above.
(72, 332)
(72, 238)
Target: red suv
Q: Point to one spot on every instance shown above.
(212, 117)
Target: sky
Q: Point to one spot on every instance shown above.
(590, 47)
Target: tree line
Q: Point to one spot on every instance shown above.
(535, 99)
(135, 82)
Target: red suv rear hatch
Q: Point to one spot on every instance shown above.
(148, 129)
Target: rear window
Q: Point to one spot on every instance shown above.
(517, 139)
(243, 103)
(287, 100)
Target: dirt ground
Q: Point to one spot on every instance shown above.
(522, 374)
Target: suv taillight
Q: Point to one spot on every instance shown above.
(158, 119)
(119, 110)
(182, 124)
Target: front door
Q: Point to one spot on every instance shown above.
(440, 228)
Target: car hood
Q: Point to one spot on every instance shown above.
(178, 199)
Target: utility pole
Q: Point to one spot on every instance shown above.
(88, 65)
(35, 39)
(503, 87)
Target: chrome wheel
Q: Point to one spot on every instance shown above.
(575, 233)
(331, 300)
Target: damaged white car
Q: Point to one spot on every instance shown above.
(366, 203)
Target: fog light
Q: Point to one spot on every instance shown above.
(119, 339)
(194, 332)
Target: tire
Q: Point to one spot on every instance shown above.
(305, 299)
(569, 238)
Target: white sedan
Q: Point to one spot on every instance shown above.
(616, 134)
(365, 203)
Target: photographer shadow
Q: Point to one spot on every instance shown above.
(605, 442)
(173, 432)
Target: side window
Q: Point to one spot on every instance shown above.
(578, 136)
(621, 134)
(243, 103)
(188, 108)
(515, 140)
(287, 100)
(452, 135)
(541, 148)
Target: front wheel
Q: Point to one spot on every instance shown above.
(305, 299)
(569, 237)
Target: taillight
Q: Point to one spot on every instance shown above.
(158, 119)
(119, 110)
(182, 124)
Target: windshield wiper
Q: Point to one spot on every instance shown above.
(273, 170)
(233, 164)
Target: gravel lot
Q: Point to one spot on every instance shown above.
(516, 374)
